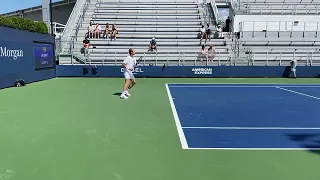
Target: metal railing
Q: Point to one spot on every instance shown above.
(215, 10)
(305, 26)
(246, 57)
(283, 58)
(281, 8)
(73, 19)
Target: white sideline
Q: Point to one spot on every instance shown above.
(182, 137)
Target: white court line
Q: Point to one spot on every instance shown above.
(255, 128)
(240, 86)
(182, 137)
(259, 149)
(298, 93)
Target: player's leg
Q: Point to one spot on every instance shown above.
(132, 83)
(126, 85)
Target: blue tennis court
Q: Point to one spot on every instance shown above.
(246, 116)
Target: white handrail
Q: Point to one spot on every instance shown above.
(215, 10)
(75, 14)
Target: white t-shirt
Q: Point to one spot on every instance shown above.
(130, 62)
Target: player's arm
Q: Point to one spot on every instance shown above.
(124, 63)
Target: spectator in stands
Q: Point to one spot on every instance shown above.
(208, 32)
(202, 33)
(220, 33)
(107, 31)
(114, 31)
(203, 54)
(97, 31)
(211, 52)
(86, 44)
(90, 30)
(228, 25)
(153, 44)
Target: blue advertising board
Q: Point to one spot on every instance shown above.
(188, 71)
(19, 59)
(43, 56)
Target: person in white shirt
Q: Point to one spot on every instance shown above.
(203, 33)
(220, 33)
(128, 64)
(90, 30)
(293, 67)
(97, 31)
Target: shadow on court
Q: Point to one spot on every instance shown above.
(117, 94)
(309, 141)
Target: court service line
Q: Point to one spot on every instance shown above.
(227, 86)
(256, 128)
(182, 137)
(296, 92)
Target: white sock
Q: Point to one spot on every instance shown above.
(126, 91)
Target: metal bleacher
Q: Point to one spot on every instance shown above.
(274, 43)
(174, 24)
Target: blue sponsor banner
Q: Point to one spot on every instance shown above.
(43, 56)
(187, 71)
(17, 57)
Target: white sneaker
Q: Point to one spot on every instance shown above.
(127, 93)
(123, 96)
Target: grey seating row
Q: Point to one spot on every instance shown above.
(159, 44)
(293, 35)
(279, 1)
(145, 23)
(152, 17)
(147, 11)
(147, 6)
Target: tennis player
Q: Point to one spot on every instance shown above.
(128, 64)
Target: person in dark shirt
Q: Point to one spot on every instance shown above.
(86, 44)
(228, 22)
(153, 44)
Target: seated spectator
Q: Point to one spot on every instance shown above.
(220, 33)
(97, 31)
(153, 45)
(90, 30)
(203, 54)
(114, 31)
(107, 31)
(203, 33)
(86, 44)
(211, 53)
(208, 32)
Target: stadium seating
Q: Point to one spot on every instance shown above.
(268, 41)
(174, 24)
